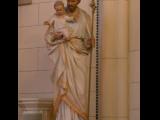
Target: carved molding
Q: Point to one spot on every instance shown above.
(35, 105)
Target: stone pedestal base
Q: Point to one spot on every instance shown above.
(35, 109)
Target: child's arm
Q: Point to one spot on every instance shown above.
(46, 23)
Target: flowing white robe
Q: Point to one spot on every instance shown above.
(70, 73)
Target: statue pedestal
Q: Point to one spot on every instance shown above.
(35, 109)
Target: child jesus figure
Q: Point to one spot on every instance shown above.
(57, 25)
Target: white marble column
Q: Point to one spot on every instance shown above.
(134, 59)
(114, 61)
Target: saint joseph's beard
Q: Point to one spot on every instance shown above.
(71, 8)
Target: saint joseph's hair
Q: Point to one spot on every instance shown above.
(78, 1)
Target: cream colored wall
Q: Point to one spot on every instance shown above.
(33, 62)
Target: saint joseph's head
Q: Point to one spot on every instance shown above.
(72, 5)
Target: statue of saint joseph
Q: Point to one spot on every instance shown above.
(70, 72)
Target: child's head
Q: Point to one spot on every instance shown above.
(59, 7)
